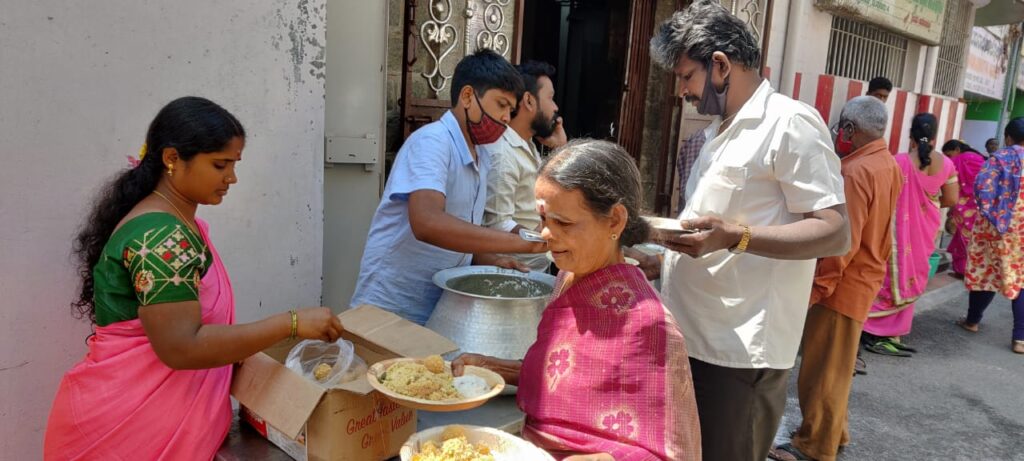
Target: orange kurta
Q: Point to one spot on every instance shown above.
(848, 284)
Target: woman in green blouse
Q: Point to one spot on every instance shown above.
(155, 382)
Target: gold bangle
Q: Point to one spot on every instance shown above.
(744, 240)
(295, 324)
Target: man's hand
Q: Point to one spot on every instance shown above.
(714, 235)
(557, 139)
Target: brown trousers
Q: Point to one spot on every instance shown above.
(739, 408)
(823, 385)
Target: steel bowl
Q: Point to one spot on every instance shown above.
(502, 327)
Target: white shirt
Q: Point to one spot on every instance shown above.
(510, 200)
(772, 165)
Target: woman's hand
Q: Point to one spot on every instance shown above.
(476, 360)
(592, 457)
(509, 262)
(318, 323)
(953, 221)
(649, 264)
(508, 369)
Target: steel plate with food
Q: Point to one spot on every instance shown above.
(469, 443)
(428, 384)
(668, 225)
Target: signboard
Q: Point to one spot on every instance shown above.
(986, 70)
(917, 19)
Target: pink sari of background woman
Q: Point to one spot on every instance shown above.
(917, 224)
(122, 403)
(609, 373)
(968, 165)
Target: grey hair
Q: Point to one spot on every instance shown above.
(868, 114)
(606, 176)
(700, 30)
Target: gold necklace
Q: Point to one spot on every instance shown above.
(176, 210)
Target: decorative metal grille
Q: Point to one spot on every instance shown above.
(750, 11)
(860, 51)
(485, 26)
(439, 38)
(956, 32)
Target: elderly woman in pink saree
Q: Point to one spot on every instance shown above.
(968, 163)
(154, 384)
(608, 378)
(930, 183)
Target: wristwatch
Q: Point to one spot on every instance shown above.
(742, 246)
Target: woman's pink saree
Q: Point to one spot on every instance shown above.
(609, 373)
(122, 403)
(917, 223)
(968, 165)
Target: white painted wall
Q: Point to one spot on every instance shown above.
(806, 44)
(80, 82)
(777, 41)
(976, 132)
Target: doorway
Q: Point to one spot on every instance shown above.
(587, 41)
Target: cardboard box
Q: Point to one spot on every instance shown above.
(350, 422)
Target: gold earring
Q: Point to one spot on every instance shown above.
(615, 236)
(170, 170)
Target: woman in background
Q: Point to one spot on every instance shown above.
(960, 219)
(930, 183)
(996, 250)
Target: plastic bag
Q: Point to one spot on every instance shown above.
(340, 356)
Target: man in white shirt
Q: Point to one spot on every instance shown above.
(511, 205)
(766, 193)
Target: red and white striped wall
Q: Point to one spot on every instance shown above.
(829, 93)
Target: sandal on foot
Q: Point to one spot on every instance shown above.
(860, 367)
(884, 347)
(787, 452)
(1018, 346)
(963, 323)
(903, 347)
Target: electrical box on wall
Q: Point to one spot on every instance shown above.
(350, 150)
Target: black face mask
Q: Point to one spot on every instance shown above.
(711, 101)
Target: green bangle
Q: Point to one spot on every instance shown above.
(295, 324)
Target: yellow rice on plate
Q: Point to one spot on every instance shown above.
(454, 447)
(416, 380)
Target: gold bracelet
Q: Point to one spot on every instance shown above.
(744, 240)
(295, 324)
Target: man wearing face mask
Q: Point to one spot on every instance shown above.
(511, 205)
(433, 204)
(845, 286)
(766, 197)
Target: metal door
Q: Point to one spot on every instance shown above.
(356, 55)
(438, 33)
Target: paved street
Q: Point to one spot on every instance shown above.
(961, 397)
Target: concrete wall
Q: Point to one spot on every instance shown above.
(81, 81)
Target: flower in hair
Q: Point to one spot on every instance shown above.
(135, 162)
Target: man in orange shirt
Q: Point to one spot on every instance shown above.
(844, 286)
